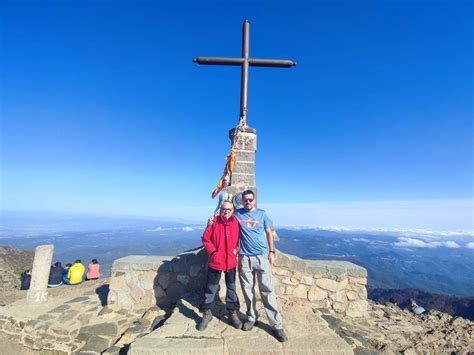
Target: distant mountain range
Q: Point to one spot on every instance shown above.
(439, 263)
(434, 264)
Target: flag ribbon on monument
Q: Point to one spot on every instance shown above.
(230, 158)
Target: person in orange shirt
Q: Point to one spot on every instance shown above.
(93, 270)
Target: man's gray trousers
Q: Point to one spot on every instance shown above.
(258, 268)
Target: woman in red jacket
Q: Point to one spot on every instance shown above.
(221, 243)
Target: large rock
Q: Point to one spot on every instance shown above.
(13, 262)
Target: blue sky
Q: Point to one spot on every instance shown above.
(103, 110)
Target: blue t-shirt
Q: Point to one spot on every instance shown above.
(252, 239)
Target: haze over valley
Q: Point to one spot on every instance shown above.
(433, 262)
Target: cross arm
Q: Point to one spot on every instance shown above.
(218, 61)
(279, 63)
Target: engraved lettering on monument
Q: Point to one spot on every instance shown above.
(37, 292)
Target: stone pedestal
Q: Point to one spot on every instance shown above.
(243, 175)
(140, 281)
(38, 292)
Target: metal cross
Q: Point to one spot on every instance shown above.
(245, 61)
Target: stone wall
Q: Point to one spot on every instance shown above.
(336, 285)
(143, 281)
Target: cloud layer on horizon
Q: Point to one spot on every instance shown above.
(418, 243)
(444, 216)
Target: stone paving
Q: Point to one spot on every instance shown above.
(308, 334)
(76, 324)
(79, 323)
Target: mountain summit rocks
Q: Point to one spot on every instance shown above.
(316, 298)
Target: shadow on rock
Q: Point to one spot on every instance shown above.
(189, 312)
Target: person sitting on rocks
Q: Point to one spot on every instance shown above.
(75, 273)
(25, 280)
(392, 301)
(93, 270)
(221, 243)
(55, 275)
(65, 272)
(415, 308)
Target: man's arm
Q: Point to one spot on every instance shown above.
(271, 245)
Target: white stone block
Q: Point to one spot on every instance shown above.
(316, 294)
(327, 284)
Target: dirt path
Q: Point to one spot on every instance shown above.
(10, 345)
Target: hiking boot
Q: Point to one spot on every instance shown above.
(280, 335)
(234, 320)
(206, 318)
(248, 325)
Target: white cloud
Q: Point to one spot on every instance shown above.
(414, 243)
(451, 244)
(418, 243)
(361, 240)
(187, 229)
(470, 245)
(157, 229)
(416, 232)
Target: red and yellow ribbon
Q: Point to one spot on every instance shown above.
(229, 166)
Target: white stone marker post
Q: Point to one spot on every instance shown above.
(38, 292)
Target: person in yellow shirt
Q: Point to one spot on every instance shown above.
(75, 274)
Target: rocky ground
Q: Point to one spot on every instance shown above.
(77, 319)
(13, 262)
(390, 329)
(453, 305)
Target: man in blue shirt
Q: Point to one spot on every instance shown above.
(256, 255)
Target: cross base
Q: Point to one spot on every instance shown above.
(243, 174)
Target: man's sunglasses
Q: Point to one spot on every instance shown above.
(248, 200)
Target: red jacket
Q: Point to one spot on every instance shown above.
(221, 243)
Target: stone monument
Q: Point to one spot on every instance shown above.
(243, 175)
(38, 291)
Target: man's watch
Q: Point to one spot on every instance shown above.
(272, 251)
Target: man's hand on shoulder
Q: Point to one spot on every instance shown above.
(210, 221)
